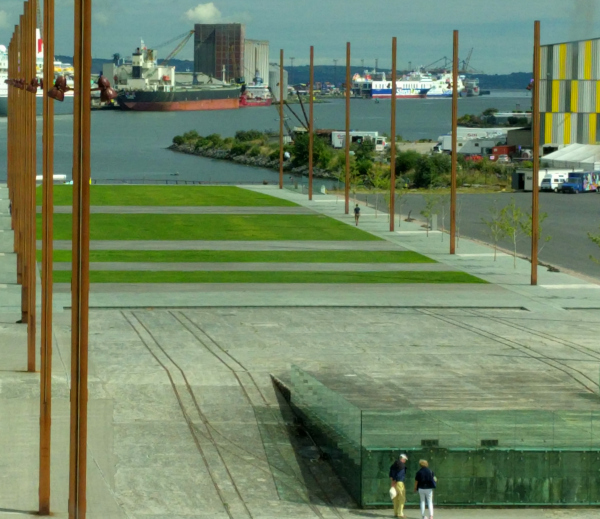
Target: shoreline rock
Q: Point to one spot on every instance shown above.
(259, 161)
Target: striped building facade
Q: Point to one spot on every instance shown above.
(570, 93)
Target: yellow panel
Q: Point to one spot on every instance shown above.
(597, 96)
(587, 61)
(574, 96)
(548, 136)
(562, 64)
(555, 95)
(593, 122)
(567, 128)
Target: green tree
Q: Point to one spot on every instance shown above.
(495, 230)
(406, 161)
(595, 239)
(490, 111)
(429, 169)
(321, 151)
(511, 221)
(527, 228)
(380, 182)
(431, 203)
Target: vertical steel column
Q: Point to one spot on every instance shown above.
(10, 176)
(454, 146)
(80, 267)
(47, 253)
(31, 100)
(347, 137)
(281, 119)
(393, 143)
(535, 128)
(17, 115)
(311, 123)
(23, 132)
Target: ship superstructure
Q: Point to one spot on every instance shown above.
(376, 85)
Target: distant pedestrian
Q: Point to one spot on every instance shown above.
(397, 477)
(425, 482)
(356, 214)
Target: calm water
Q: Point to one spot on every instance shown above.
(130, 145)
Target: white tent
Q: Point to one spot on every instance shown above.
(577, 156)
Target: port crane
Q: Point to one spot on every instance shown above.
(186, 37)
(464, 66)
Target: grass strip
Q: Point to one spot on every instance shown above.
(218, 256)
(103, 276)
(209, 227)
(168, 196)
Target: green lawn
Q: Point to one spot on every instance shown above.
(210, 227)
(185, 256)
(168, 196)
(102, 276)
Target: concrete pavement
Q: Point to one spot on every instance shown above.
(184, 420)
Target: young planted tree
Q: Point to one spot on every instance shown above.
(431, 203)
(495, 230)
(401, 192)
(443, 208)
(511, 221)
(380, 182)
(527, 229)
(595, 239)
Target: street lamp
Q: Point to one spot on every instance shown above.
(335, 72)
(292, 71)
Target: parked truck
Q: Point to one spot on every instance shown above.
(583, 182)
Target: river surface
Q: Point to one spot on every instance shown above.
(132, 145)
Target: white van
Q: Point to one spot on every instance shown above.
(553, 181)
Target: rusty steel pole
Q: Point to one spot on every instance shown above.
(47, 262)
(454, 146)
(311, 122)
(393, 143)
(535, 129)
(80, 267)
(31, 43)
(10, 155)
(281, 119)
(347, 137)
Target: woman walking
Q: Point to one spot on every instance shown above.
(397, 477)
(425, 483)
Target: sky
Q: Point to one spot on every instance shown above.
(499, 32)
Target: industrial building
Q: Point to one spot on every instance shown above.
(256, 60)
(219, 50)
(570, 94)
(274, 71)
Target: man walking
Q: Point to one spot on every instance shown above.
(356, 214)
(397, 477)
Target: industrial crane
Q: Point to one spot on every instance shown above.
(187, 35)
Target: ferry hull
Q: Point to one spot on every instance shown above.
(388, 95)
(189, 100)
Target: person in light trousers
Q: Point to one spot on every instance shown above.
(425, 482)
(397, 476)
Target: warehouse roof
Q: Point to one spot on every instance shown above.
(585, 156)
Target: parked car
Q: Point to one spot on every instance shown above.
(503, 159)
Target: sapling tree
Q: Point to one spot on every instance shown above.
(595, 239)
(431, 202)
(527, 228)
(380, 183)
(511, 220)
(443, 209)
(495, 230)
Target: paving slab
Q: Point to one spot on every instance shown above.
(264, 267)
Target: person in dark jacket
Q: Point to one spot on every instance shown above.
(397, 477)
(425, 482)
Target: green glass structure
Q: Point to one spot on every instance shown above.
(481, 458)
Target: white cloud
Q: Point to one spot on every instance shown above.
(101, 18)
(4, 20)
(204, 13)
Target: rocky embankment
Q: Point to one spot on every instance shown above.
(259, 161)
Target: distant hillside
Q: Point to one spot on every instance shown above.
(337, 75)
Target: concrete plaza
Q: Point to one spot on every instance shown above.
(184, 421)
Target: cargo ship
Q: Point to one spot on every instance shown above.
(144, 85)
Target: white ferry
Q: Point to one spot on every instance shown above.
(442, 86)
(65, 69)
(377, 86)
